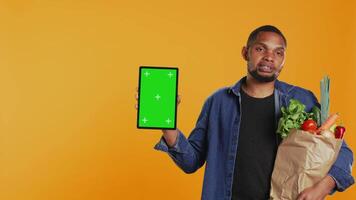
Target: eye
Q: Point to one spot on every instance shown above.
(259, 49)
(280, 53)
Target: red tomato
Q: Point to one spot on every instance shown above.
(309, 125)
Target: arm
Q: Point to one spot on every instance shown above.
(339, 177)
(319, 190)
(188, 154)
(341, 169)
(170, 137)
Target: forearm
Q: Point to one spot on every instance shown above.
(318, 191)
(328, 184)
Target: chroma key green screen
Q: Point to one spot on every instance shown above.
(157, 99)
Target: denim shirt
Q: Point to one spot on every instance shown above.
(214, 140)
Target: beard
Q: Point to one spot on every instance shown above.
(263, 79)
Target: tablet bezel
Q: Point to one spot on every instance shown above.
(138, 100)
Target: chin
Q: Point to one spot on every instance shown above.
(266, 74)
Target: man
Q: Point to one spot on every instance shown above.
(235, 134)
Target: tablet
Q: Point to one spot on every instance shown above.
(157, 99)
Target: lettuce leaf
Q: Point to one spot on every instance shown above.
(292, 117)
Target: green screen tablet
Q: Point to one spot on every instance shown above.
(157, 99)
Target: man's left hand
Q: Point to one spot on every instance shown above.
(319, 190)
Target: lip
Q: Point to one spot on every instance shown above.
(265, 67)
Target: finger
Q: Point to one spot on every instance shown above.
(136, 96)
(179, 99)
(136, 106)
(301, 196)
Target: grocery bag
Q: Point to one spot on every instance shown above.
(302, 160)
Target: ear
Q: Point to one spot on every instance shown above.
(244, 53)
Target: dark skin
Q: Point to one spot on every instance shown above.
(266, 56)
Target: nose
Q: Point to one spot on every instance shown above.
(269, 56)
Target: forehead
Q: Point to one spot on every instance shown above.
(270, 39)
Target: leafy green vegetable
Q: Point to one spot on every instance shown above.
(292, 117)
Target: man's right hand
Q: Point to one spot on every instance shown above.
(169, 135)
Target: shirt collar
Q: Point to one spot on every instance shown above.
(236, 88)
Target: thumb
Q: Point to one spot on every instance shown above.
(179, 99)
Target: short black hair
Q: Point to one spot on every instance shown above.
(266, 28)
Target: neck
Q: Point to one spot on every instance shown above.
(257, 89)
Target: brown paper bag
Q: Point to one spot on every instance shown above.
(302, 160)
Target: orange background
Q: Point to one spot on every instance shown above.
(68, 72)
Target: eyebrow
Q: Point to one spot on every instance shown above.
(265, 46)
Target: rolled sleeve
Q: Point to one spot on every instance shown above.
(342, 179)
(341, 169)
(178, 147)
